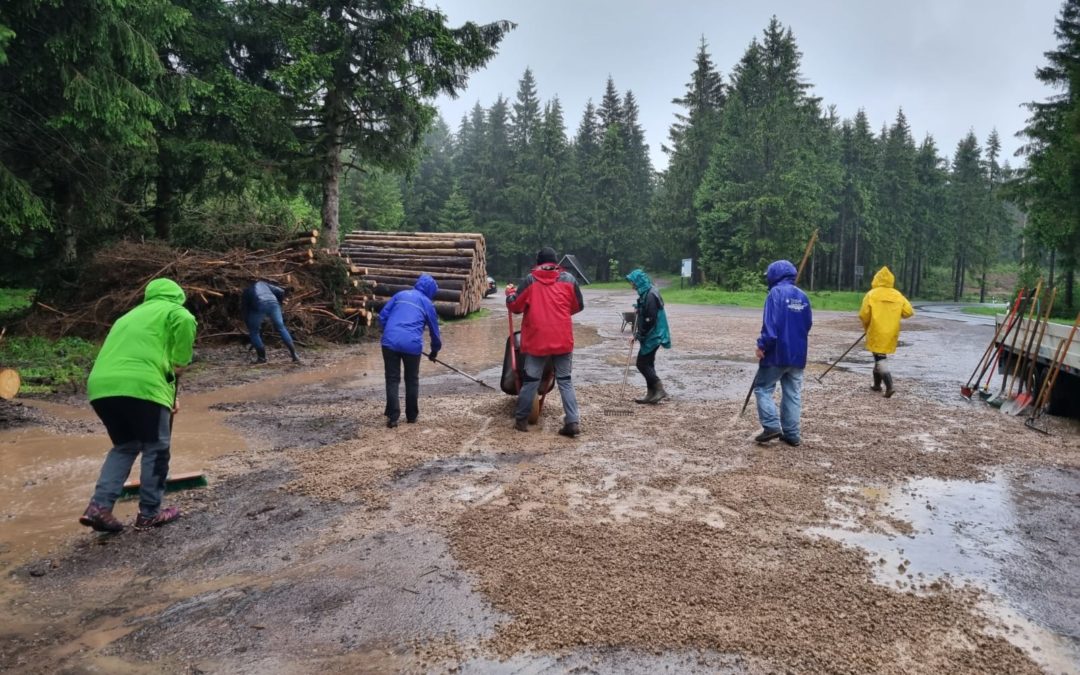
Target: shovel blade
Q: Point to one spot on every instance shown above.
(966, 392)
(1020, 404)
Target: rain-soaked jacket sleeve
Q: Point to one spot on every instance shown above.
(182, 327)
(769, 322)
(908, 311)
(433, 326)
(384, 315)
(864, 311)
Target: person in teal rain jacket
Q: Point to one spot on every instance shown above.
(651, 331)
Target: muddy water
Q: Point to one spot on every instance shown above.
(969, 533)
(46, 477)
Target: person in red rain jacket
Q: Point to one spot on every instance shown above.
(548, 297)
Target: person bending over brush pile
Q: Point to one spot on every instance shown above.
(403, 320)
(651, 332)
(260, 300)
(132, 388)
(882, 309)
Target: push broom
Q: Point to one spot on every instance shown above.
(174, 482)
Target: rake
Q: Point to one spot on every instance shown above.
(987, 358)
(1031, 357)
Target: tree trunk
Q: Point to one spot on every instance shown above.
(163, 205)
(331, 180)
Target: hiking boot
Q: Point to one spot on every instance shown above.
(767, 435)
(163, 517)
(294, 355)
(100, 518)
(260, 356)
(877, 382)
(793, 442)
(889, 391)
(658, 394)
(648, 395)
(521, 424)
(570, 429)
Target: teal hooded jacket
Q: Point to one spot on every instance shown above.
(651, 329)
(143, 347)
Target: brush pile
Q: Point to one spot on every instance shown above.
(326, 297)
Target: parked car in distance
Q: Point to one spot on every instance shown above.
(491, 287)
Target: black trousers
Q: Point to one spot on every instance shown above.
(646, 365)
(393, 360)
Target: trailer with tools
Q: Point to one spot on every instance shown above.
(1058, 349)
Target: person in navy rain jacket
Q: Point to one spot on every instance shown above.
(781, 351)
(403, 320)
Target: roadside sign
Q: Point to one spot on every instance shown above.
(858, 271)
(687, 267)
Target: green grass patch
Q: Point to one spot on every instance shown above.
(14, 300)
(842, 301)
(49, 366)
(994, 311)
(481, 313)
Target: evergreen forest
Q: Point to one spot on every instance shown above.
(214, 123)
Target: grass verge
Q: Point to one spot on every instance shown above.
(49, 366)
(994, 311)
(842, 301)
(13, 300)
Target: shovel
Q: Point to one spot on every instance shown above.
(1027, 382)
(1002, 394)
(1051, 379)
(463, 374)
(984, 363)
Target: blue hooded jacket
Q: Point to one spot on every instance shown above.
(787, 319)
(404, 317)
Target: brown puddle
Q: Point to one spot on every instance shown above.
(47, 477)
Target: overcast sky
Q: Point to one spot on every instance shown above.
(953, 65)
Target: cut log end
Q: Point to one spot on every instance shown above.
(9, 383)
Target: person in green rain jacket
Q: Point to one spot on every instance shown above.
(651, 331)
(132, 388)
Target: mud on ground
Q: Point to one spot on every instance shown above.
(662, 538)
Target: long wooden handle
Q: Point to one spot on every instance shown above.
(1052, 377)
(806, 256)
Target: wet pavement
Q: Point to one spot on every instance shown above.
(919, 534)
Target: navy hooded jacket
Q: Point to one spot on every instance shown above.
(404, 317)
(787, 319)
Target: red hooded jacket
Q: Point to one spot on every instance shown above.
(547, 297)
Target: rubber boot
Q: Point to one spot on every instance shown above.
(877, 381)
(889, 391)
(648, 396)
(292, 353)
(260, 355)
(658, 394)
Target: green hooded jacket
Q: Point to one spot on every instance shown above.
(651, 328)
(144, 346)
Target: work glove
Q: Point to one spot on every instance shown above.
(433, 356)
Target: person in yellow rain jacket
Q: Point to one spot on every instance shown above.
(881, 311)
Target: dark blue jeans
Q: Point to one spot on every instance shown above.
(392, 362)
(254, 320)
(135, 426)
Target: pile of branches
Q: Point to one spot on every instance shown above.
(322, 301)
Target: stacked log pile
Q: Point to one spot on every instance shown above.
(325, 298)
(393, 261)
(9, 378)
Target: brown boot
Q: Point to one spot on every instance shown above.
(570, 429)
(101, 519)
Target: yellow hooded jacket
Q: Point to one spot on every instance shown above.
(881, 311)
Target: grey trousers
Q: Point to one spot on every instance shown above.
(134, 426)
(534, 370)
